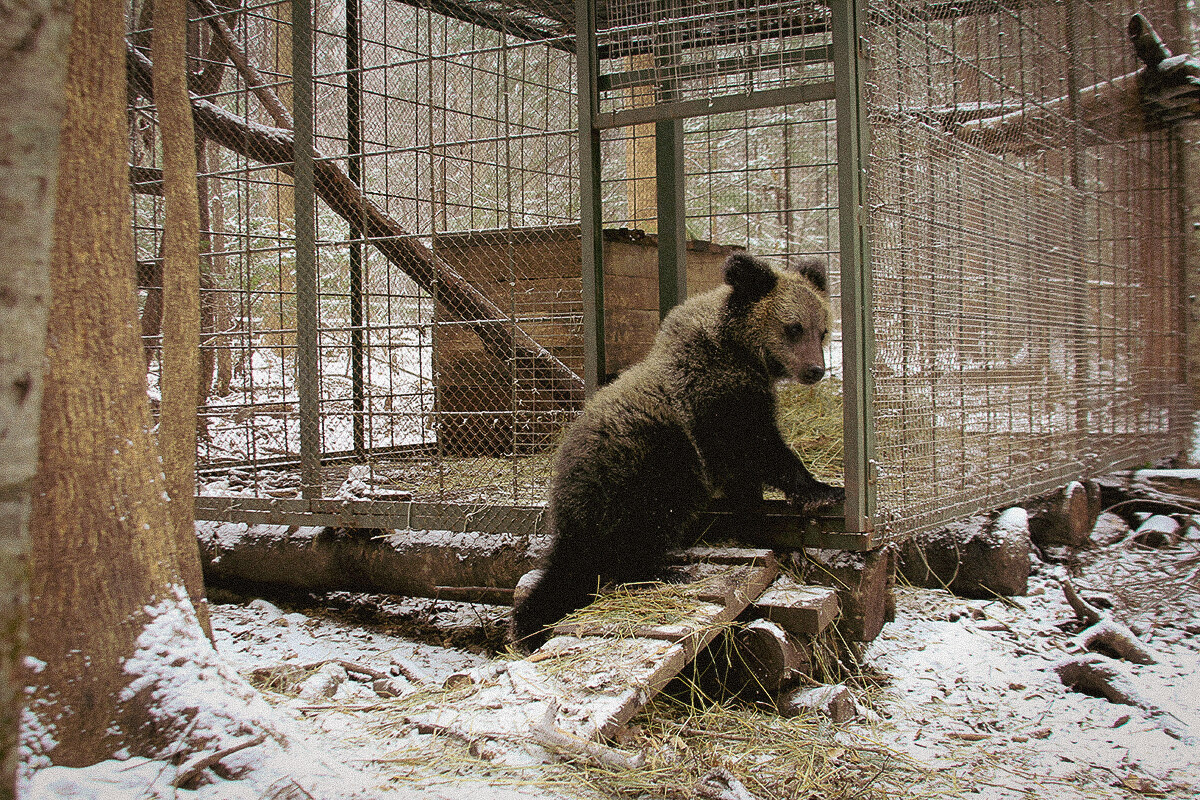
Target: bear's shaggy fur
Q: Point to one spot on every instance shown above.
(695, 418)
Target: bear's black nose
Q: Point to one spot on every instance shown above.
(812, 374)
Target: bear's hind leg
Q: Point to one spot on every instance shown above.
(551, 599)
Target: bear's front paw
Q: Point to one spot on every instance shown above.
(815, 495)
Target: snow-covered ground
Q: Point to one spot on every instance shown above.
(966, 688)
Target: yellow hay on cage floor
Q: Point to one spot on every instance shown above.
(810, 418)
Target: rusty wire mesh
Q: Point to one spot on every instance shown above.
(1025, 254)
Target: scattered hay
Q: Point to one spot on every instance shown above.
(769, 755)
(629, 609)
(810, 418)
(686, 742)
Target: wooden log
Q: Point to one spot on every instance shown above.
(1062, 518)
(863, 582)
(767, 657)
(981, 556)
(313, 559)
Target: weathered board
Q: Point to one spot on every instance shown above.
(593, 676)
(798, 608)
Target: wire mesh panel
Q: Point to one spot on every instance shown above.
(675, 57)
(1024, 254)
(447, 298)
(1022, 238)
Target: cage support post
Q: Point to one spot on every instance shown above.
(672, 244)
(354, 172)
(307, 368)
(857, 338)
(587, 67)
(669, 183)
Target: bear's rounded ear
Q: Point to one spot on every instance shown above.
(750, 278)
(814, 270)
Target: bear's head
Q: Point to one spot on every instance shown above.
(782, 315)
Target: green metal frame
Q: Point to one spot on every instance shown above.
(858, 346)
(591, 233)
(307, 358)
(852, 134)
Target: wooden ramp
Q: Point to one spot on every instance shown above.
(604, 664)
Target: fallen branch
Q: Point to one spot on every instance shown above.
(1104, 632)
(351, 666)
(720, 784)
(1100, 676)
(1086, 612)
(192, 768)
(554, 738)
(412, 672)
(1116, 638)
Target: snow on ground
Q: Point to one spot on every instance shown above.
(967, 689)
(973, 691)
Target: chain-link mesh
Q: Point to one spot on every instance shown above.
(1023, 233)
(448, 301)
(1025, 253)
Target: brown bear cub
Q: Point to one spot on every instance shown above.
(694, 419)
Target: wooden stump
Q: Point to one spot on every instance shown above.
(863, 581)
(1064, 518)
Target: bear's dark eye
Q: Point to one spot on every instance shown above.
(793, 331)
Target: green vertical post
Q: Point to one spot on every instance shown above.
(858, 346)
(354, 172)
(591, 232)
(672, 215)
(307, 368)
(669, 173)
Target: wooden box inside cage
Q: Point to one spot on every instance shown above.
(487, 406)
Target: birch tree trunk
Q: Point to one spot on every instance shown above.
(33, 38)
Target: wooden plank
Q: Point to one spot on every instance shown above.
(590, 685)
(797, 608)
(753, 581)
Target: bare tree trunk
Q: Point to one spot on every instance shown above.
(101, 538)
(181, 287)
(33, 38)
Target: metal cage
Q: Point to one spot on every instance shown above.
(458, 217)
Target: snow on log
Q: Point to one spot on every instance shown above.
(438, 564)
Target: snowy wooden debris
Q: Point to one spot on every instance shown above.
(594, 675)
(798, 608)
(835, 702)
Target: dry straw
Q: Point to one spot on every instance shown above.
(810, 418)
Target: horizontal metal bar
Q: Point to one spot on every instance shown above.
(735, 65)
(776, 526)
(374, 514)
(789, 95)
